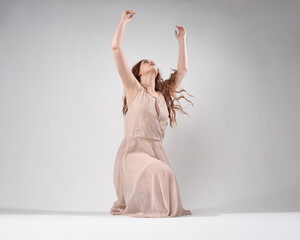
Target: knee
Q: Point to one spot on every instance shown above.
(159, 169)
(164, 170)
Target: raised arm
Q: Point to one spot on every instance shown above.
(182, 58)
(128, 79)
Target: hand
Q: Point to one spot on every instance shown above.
(181, 34)
(125, 17)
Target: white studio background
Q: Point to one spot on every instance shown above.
(61, 100)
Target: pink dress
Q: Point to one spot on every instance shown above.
(144, 182)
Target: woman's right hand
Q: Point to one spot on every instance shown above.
(125, 18)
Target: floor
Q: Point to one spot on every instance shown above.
(102, 226)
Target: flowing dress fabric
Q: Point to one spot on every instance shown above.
(144, 182)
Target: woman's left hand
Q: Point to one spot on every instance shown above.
(181, 34)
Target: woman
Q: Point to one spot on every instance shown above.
(144, 182)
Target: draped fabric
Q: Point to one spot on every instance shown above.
(144, 182)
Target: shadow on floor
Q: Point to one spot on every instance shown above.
(195, 213)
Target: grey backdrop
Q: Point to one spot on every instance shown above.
(61, 99)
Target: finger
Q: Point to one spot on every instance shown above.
(131, 15)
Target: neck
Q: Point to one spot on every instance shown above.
(148, 82)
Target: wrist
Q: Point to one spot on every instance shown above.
(122, 21)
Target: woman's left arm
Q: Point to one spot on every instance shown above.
(182, 66)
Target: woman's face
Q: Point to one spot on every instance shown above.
(147, 66)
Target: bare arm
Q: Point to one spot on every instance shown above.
(182, 58)
(128, 79)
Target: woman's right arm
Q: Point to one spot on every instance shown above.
(128, 79)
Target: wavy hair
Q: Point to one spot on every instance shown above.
(165, 87)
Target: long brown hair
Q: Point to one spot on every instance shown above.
(165, 87)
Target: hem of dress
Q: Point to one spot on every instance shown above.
(142, 215)
(120, 210)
